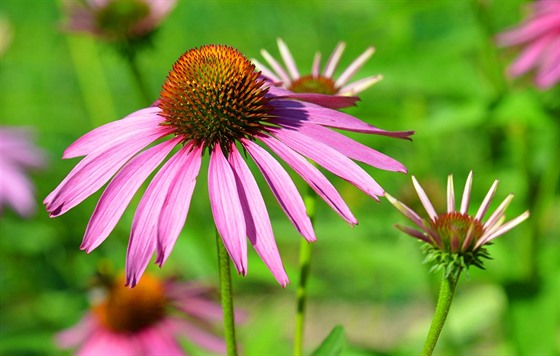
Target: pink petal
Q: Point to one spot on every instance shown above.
(78, 333)
(529, 57)
(330, 159)
(359, 85)
(346, 146)
(120, 192)
(450, 194)
(226, 208)
(332, 62)
(259, 229)
(424, 199)
(92, 172)
(354, 67)
(198, 336)
(467, 194)
(145, 120)
(288, 59)
(316, 180)
(298, 112)
(323, 100)
(184, 168)
(277, 68)
(529, 30)
(265, 71)
(316, 65)
(283, 188)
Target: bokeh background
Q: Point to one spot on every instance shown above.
(443, 78)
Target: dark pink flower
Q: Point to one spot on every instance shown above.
(214, 101)
(17, 155)
(118, 20)
(539, 35)
(318, 82)
(147, 320)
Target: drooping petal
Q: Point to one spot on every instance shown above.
(226, 209)
(283, 188)
(92, 172)
(308, 112)
(259, 229)
(323, 100)
(330, 159)
(199, 336)
(144, 120)
(120, 192)
(345, 145)
(288, 59)
(530, 56)
(354, 67)
(184, 167)
(413, 232)
(359, 85)
(332, 62)
(316, 180)
(529, 31)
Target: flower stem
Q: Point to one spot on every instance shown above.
(448, 285)
(138, 78)
(304, 267)
(226, 296)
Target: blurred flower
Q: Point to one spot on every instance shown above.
(17, 154)
(118, 20)
(147, 320)
(540, 35)
(316, 82)
(455, 239)
(214, 100)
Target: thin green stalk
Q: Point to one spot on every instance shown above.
(138, 78)
(304, 267)
(448, 285)
(226, 297)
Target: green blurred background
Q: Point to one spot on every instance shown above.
(443, 78)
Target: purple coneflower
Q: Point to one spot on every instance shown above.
(317, 82)
(214, 101)
(18, 154)
(455, 239)
(118, 20)
(147, 320)
(540, 36)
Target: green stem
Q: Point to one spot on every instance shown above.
(304, 266)
(226, 296)
(448, 285)
(138, 78)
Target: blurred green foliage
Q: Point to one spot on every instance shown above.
(443, 78)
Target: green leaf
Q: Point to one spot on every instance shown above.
(333, 344)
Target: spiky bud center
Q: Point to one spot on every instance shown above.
(213, 95)
(127, 310)
(118, 18)
(311, 84)
(455, 228)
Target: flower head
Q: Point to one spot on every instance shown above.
(540, 36)
(455, 239)
(119, 20)
(317, 82)
(147, 320)
(215, 102)
(17, 154)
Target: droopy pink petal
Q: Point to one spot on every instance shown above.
(316, 180)
(259, 229)
(226, 209)
(529, 31)
(159, 340)
(120, 192)
(16, 190)
(184, 166)
(76, 334)
(144, 120)
(346, 146)
(330, 159)
(530, 56)
(323, 100)
(92, 172)
(316, 114)
(414, 233)
(200, 308)
(283, 188)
